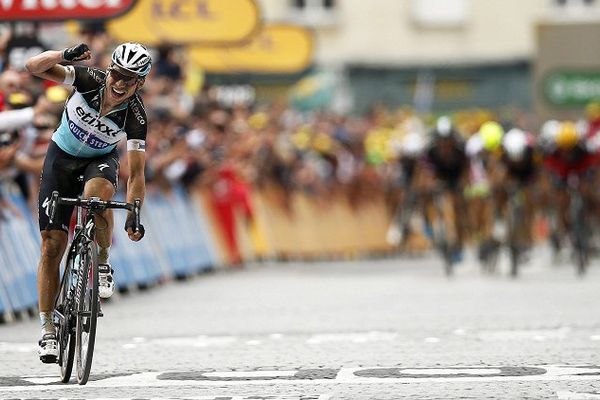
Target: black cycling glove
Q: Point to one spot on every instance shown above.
(129, 223)
(75, 53)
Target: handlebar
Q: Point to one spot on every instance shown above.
(96, 204)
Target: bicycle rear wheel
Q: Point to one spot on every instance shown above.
(515, 225)
(580, 234)
(87, 311)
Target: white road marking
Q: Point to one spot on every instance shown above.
(373, 336)
(595, 337)
(266, 397)
(525, 334)
(250, 374)
(344, 376)
(40, 380)
(202, 341)
(566, 395)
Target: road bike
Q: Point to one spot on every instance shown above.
(516, 222)
(445, 227)
(77, 306)
(580, 228)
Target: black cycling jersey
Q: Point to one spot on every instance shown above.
(83, 133)
(448, 164)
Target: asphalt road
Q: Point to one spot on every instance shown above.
(377, 329)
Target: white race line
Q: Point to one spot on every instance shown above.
(358, 337)
(202, 341)
(566, 395)
(525, 334)
(268, 397)
(40, 380)
(250, 374)
(344, 376)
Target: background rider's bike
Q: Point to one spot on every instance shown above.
(580, 229)
(516, 219)
(445, 236)
(77, 305)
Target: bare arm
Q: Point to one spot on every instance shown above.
(136, 184)
(46, 65)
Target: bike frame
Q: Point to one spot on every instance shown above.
(70, 312)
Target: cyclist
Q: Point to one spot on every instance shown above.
(574, 158)
(411, 149)
(446, 167)
(484, 150)
(103, 109)
(520, 167)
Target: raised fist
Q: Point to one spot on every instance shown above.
(77, 53)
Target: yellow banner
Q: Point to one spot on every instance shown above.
(206, 22)
(275, 49)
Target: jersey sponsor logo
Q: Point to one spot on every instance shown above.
(87, 138)
(102, 167)
(46, 206)
(94, 74)
(138, 114)
(95, 122)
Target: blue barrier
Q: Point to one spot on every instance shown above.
(198, 252)
(178, 242)
(136, 263)
(19, 254)
(200, 222)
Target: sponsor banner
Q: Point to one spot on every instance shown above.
(216, 22)
(275, 49)
(58, 10)
(571, 88)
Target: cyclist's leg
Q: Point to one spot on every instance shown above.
(101, 181)
(57, 174)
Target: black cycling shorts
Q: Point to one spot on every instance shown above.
(62, 173)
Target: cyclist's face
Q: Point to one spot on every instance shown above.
(120, 84)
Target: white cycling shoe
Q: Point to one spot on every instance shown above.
(106, 283)
(48, 348)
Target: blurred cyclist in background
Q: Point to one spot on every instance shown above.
(571, 161)
(520, 167)
(484, 152)
(411, 149)
(446, 167)
(104, 108)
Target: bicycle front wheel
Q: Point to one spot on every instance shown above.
(87, 311)
(65, 315)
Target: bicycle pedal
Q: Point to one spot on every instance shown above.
(49, 359)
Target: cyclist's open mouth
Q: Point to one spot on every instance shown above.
(118, 93)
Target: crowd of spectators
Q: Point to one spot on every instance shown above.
(194, 139)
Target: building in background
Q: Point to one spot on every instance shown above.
(444, 54)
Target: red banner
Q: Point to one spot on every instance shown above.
(57, 10)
